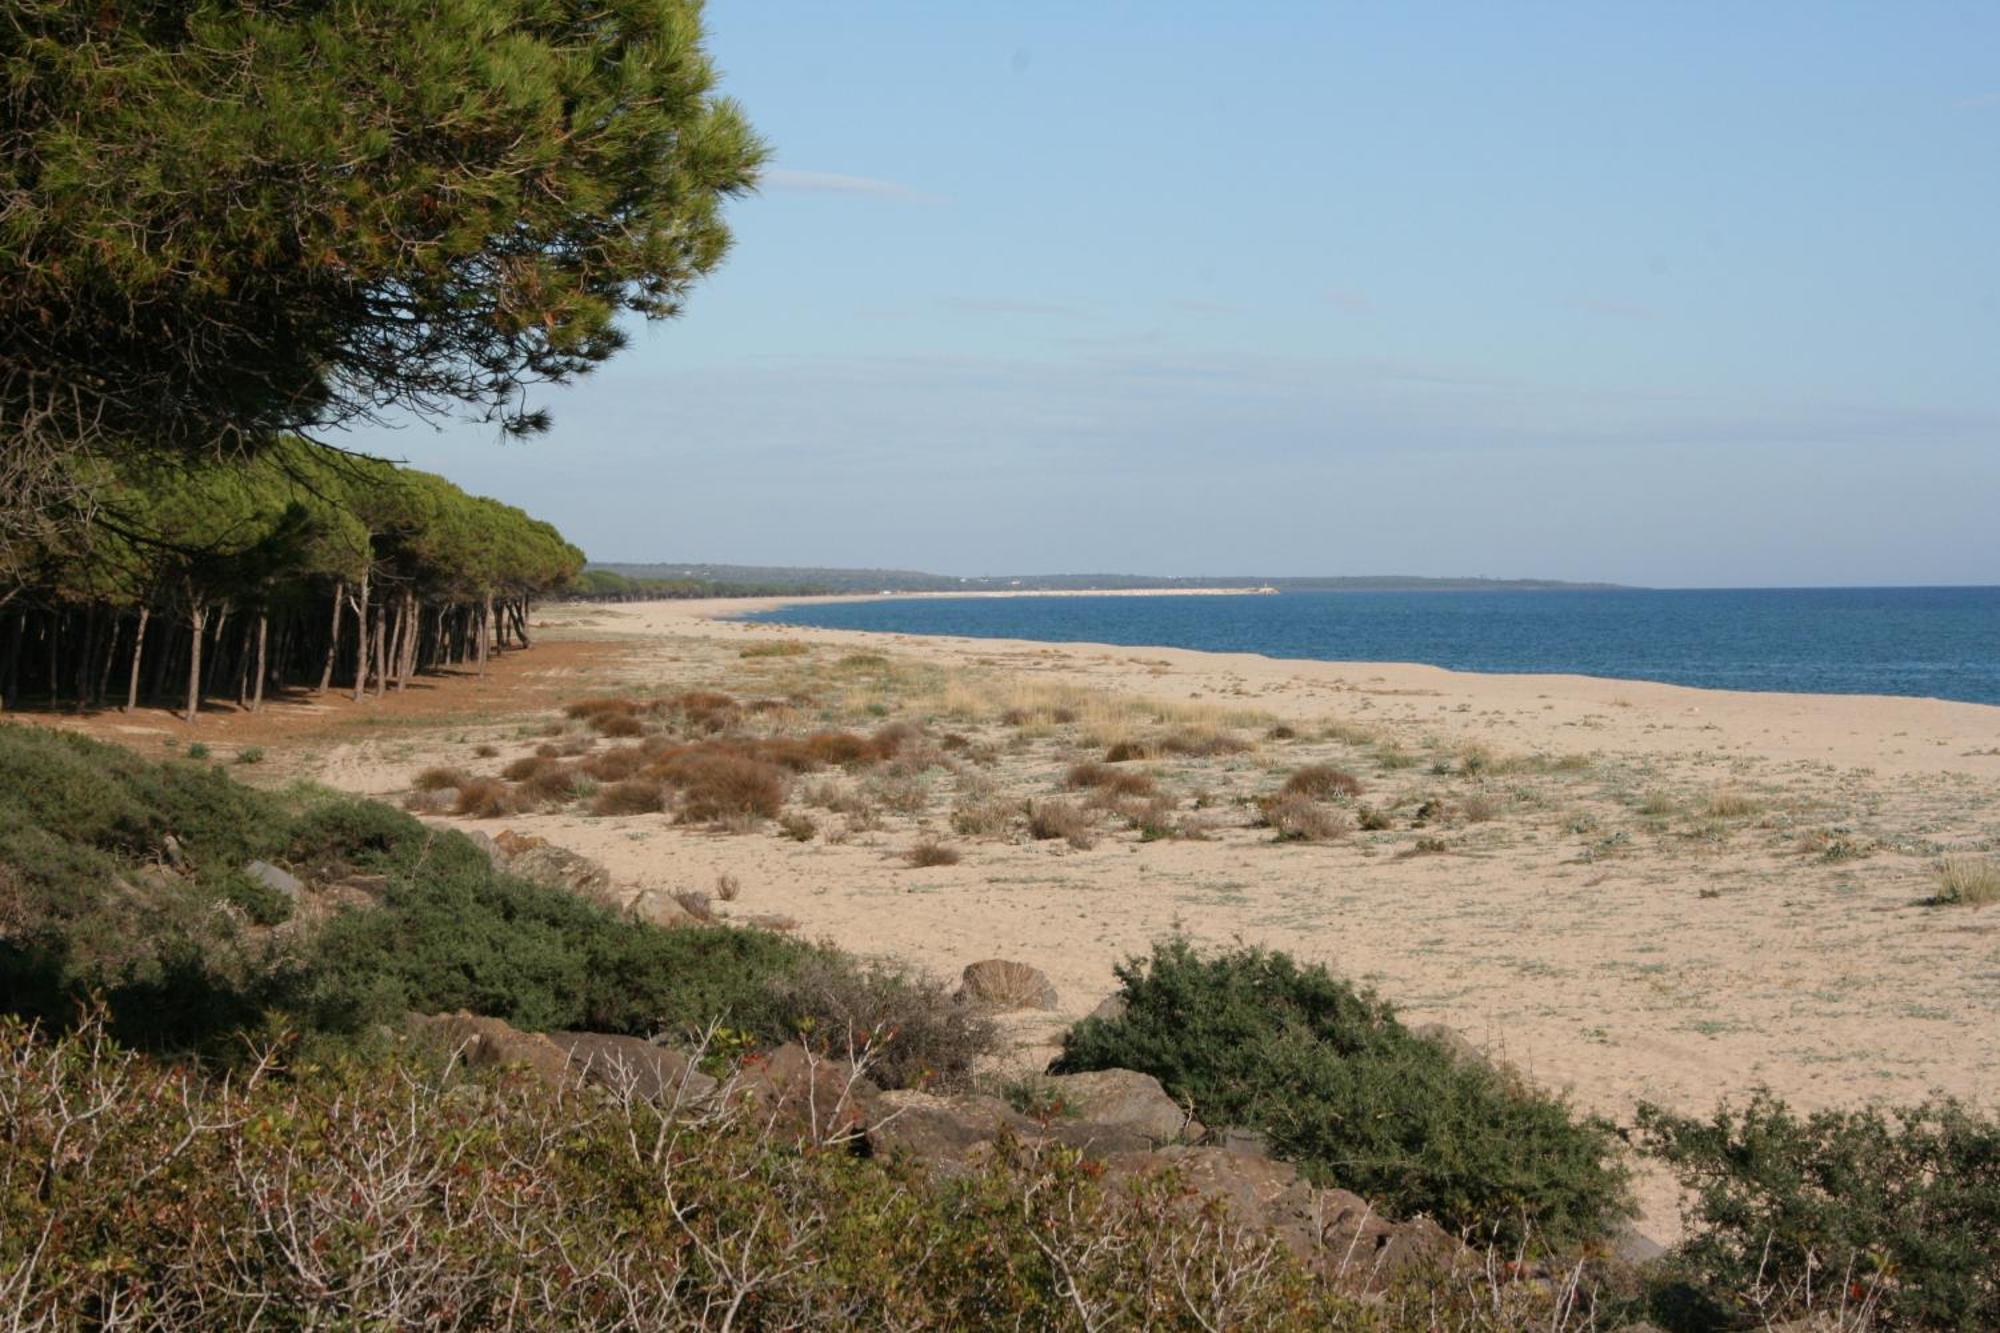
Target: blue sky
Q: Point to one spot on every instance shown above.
(1679, 294)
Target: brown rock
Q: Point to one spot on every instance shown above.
(657, 1073)
(804, 1097)
(1128, 1099)
(558, 868)
(658, 907)
(481, 1042)
(999, 983)
(947, 1133)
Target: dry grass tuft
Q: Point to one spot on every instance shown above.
(718, 787)
(484, 798)
(1297, 818)
(1730, 803)
(1092, 775)
(634, 796)
(930, 852)
(1968, 881)
(1479, 807)
(439, 779)
(798, 826)
(984, 818)
(615, 764)
(1049, 820)
(530, 766)
(728, 887)
(1323, 782)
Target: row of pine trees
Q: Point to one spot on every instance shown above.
(303, 567)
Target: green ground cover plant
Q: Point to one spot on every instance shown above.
(1356, 1099)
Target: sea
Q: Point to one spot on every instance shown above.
(1940, 643)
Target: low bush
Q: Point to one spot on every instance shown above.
(984, 818)
(917, 1034)
(485, 798)
(1893, 1214)
(616, 764)
(1343, 1089)
(930, 852)
(385, 1192)
(1296, 818)
(1097, 776)
(1049, 820)
(1322, 782)
(717, 787)
(440, 779)
(634, 796)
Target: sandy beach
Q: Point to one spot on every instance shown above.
(1630, 891)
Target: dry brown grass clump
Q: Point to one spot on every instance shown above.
(610, 717)
(704, 710)
(484, 798)
(1480, 807)
(439, 779)
(1323, 782)
(616, 764)
(634, 796)
(718, 786)
(1968, 880)
(783, 648)
(529, 766)
(1298, 818)
(984, 818)
(1730, 803)
(930, 852)
(1184, 742)
(558, 784)
(1103, 777)
(1049, 820)
(798, 826)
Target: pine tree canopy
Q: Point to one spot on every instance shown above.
(226, 220)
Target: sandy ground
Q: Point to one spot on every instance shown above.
(1630, 891)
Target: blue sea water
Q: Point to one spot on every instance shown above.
(1931, 642)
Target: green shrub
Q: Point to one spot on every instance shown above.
(1898, 1209)
(1354, 1098)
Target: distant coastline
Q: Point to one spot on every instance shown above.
(772, 580)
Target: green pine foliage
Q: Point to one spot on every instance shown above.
(1356, 1099)
(227, 221)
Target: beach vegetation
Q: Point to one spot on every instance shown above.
(1968, 881)
(1297, 818)
(1323, 782)
(1251, 1038)
(1882, 1217)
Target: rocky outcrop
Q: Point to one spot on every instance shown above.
(1000, 983)
(805, 1097)
(491, 1042)
(1127, 1099)
(627, 1064)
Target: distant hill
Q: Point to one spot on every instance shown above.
(755, 580)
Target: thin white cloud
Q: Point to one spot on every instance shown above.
(1613, 309)
(834, 182)
(985, 307)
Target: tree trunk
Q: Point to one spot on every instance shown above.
(138, 651)
(381, 650)
(332, 639)
(197, 621)
(361, 640)
(215, 649)
(263, 638)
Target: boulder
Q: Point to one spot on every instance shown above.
(657, 1073)
(271, 877)
(481, 1042)
(1331, 1229)
(658, 907)
(1461, 1048)
(1110, 1009)
(949, 1134)
(804, 1097)
(998, 983)
(1128, 1099)
(558, 868)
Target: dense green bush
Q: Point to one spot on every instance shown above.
(86, 913)
(1354, 1098)
(1895, 1210)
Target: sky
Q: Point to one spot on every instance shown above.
(1689, 294)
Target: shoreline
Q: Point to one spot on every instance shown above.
(1978, 719)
